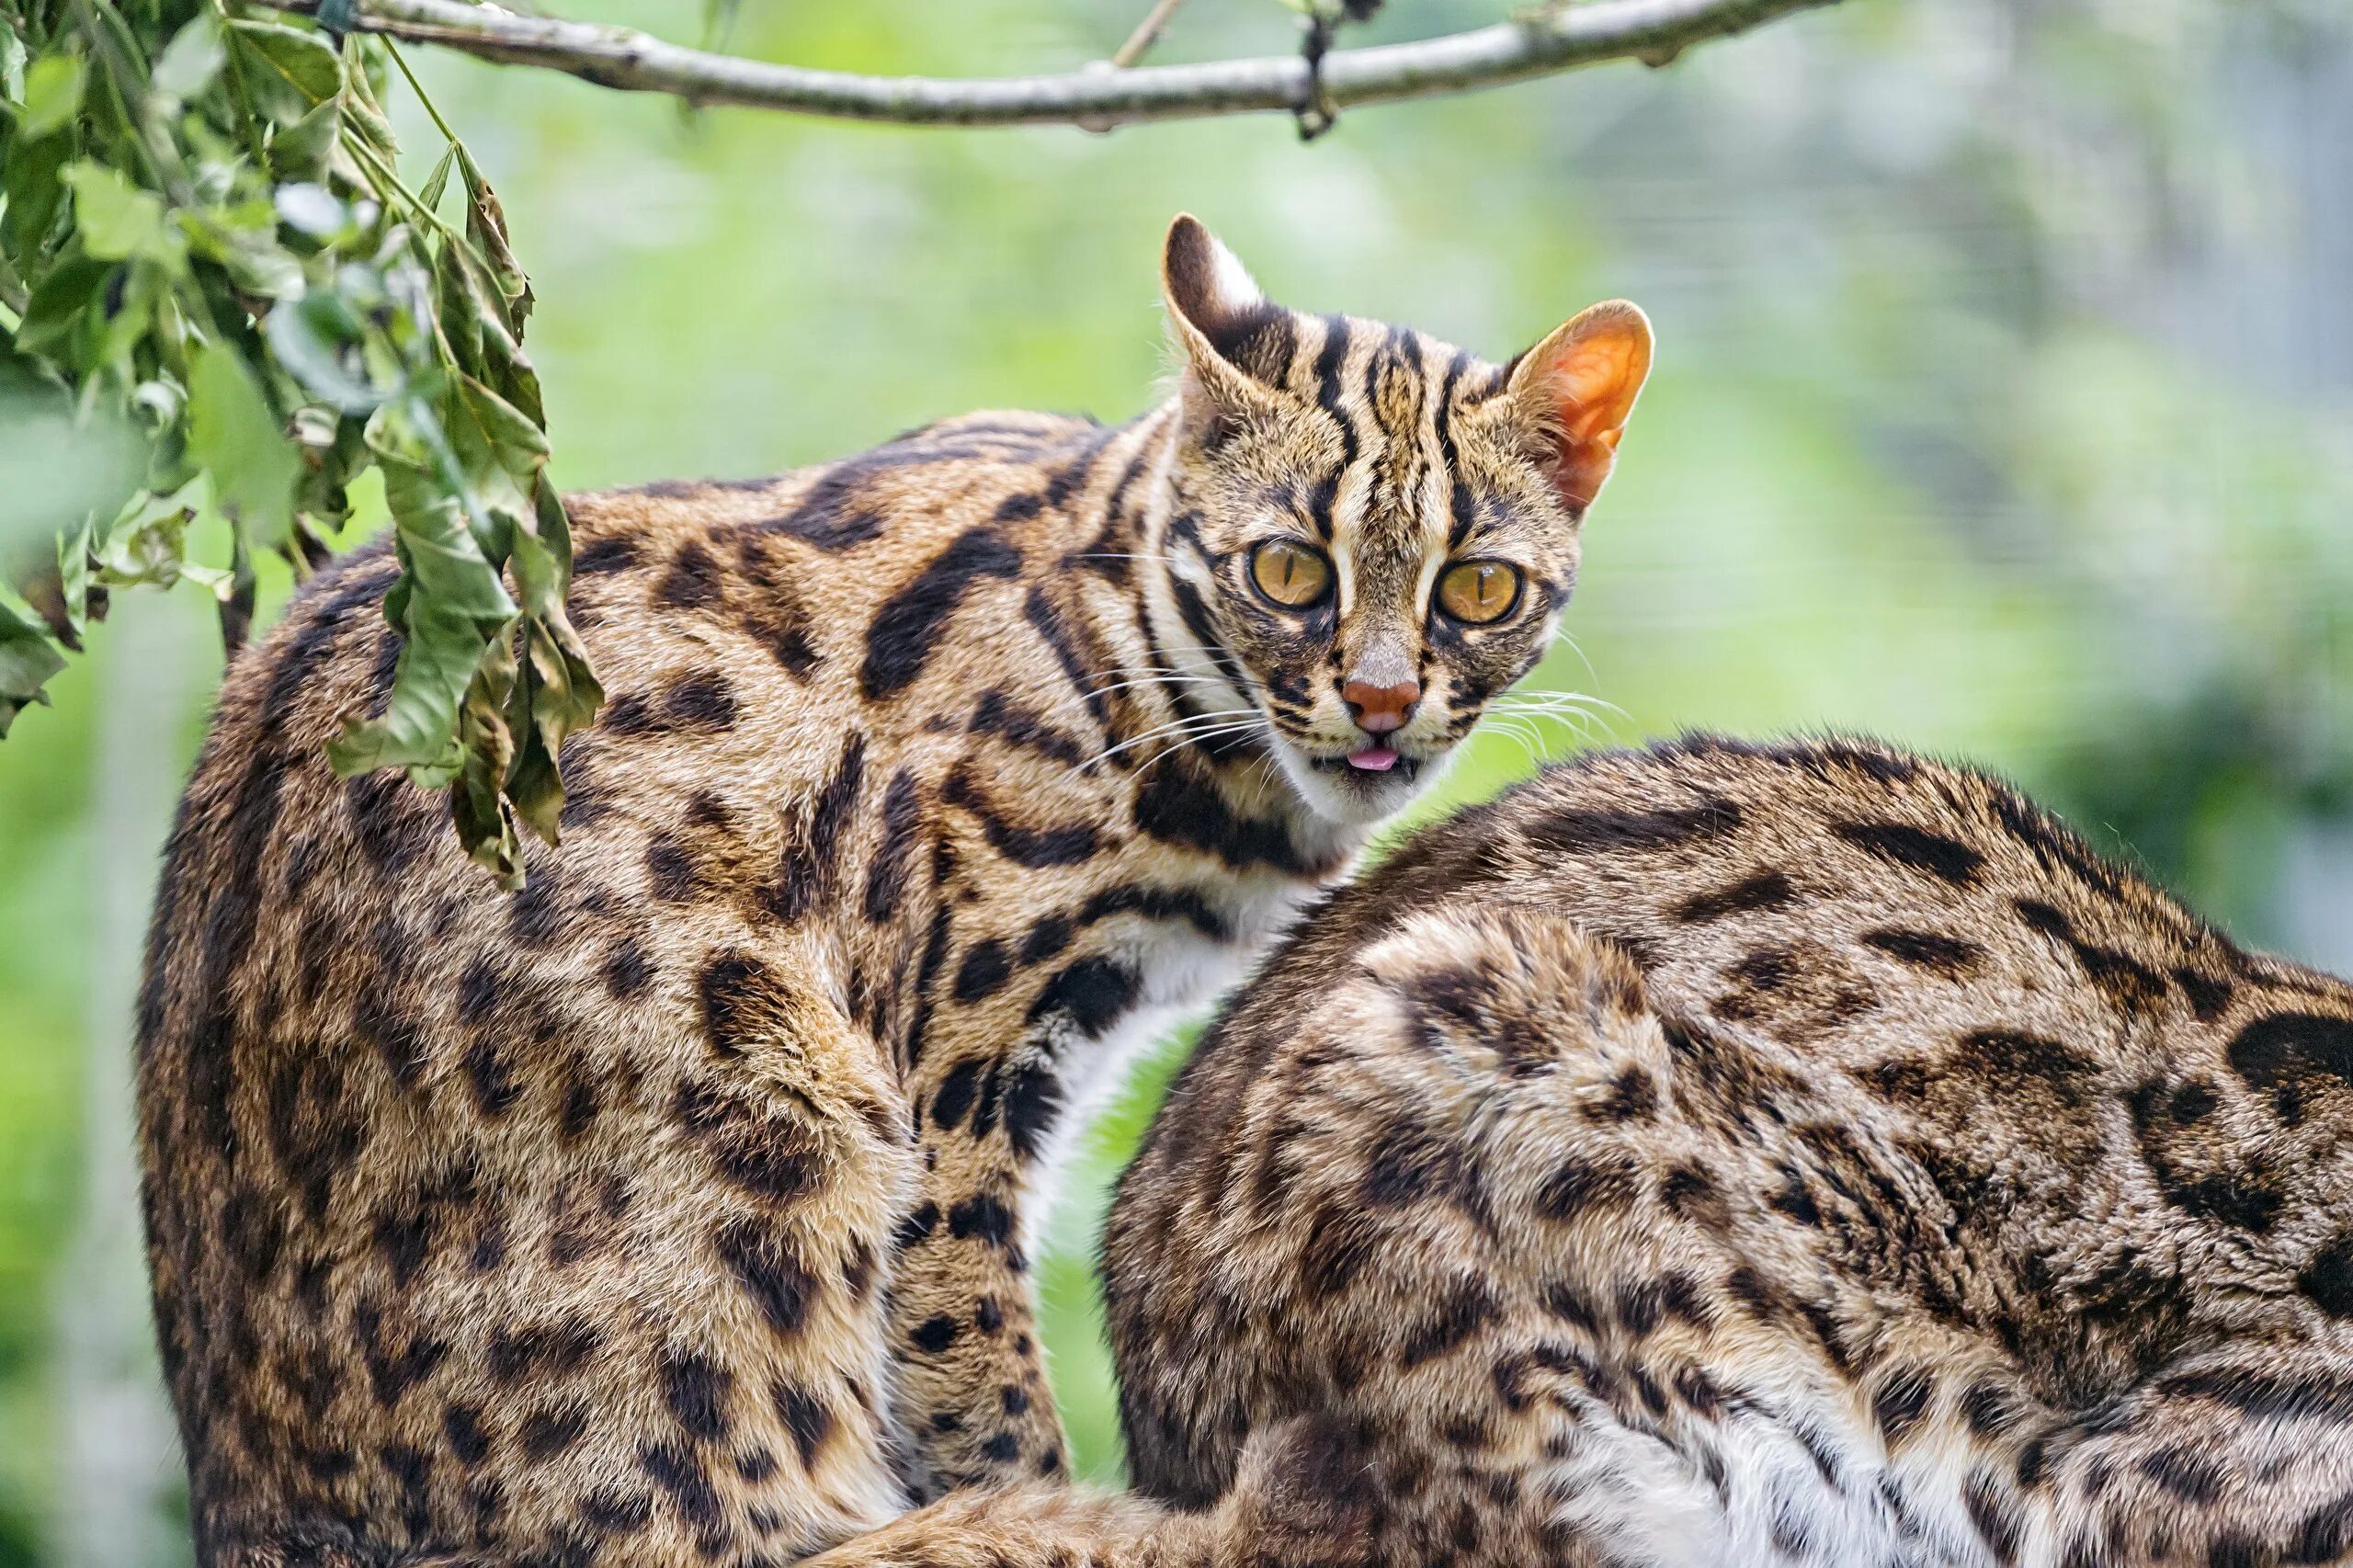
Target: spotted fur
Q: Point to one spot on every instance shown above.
(678, 1209)
(1728, 1154)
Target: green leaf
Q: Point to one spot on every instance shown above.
(248, 252)
(28, 658)
(450, 606)
(289, 72)
(305, 336)
(302, 149)
(61, 301)
(486, 826)
(28, 175)
(190, 61)
(74, 578)
(236, 438)
(117, 220)
(53, 90)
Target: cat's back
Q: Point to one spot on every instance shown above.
(2114, 1123)
(401, 1131)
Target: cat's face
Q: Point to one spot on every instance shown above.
(1372, 533)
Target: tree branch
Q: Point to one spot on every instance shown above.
(1097, 98)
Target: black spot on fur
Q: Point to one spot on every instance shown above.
(1092, 993)
(2209, 995)
(1578, 832)
(766, 1265)
(886, 876)
(935, 1334)
(549, 1431)
(739, 1001)
(627, 970)
(678, 1472)
(691, 581)
(1034, 1100)
(1766, 890)
(1916, 848)
(2328, 1279)
(809, 860)
(899, 640)
(2289, 1056)
(1951, 957)
(954, 1099)
(469, 1444)
(597, 557)
(982, 1217)
(999, 715)
(1577, 1187)
(982, 973)
(808, 1418)
(1067, 845)
(1901, 1401)
(696, 1389)
(1176, 806)
(701, 702)
(540, 1350)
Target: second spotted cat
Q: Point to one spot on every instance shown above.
(1737, 1156)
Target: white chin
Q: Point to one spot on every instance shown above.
(1348, 796)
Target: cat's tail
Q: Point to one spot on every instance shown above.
(1302, 1497)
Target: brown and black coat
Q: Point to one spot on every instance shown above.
(1730, 1155)
(678, 1209)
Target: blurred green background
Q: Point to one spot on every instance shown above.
(2003, 406)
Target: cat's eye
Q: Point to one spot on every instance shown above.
(1478, 592)
(1293, 574)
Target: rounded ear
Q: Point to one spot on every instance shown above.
(1228, 329)
(1578, 386)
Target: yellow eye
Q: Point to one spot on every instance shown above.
(1293, 574)
(1478, 592)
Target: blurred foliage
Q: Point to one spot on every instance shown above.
(205, 234)
(2004, 407)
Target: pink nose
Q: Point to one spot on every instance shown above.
(1380, 708)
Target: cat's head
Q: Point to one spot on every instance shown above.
(1370, 533)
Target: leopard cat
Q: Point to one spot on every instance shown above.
(678, 1207)
(1795, 1154)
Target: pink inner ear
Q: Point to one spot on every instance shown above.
(1592, 383)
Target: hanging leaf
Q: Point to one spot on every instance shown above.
(289, 72)
(28, 658)
(220, 245)
(236, 437)
(189, 62)
(117, 218)
(54, 88)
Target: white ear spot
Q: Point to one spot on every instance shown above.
(1230, 280)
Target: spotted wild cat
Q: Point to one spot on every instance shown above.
(1741, 1155)
(600, 1223)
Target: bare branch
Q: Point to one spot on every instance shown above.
(1098, 97)
(1146, 31)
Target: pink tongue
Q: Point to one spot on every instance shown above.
(1373, 759)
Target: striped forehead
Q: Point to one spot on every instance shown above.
(1391, 393)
